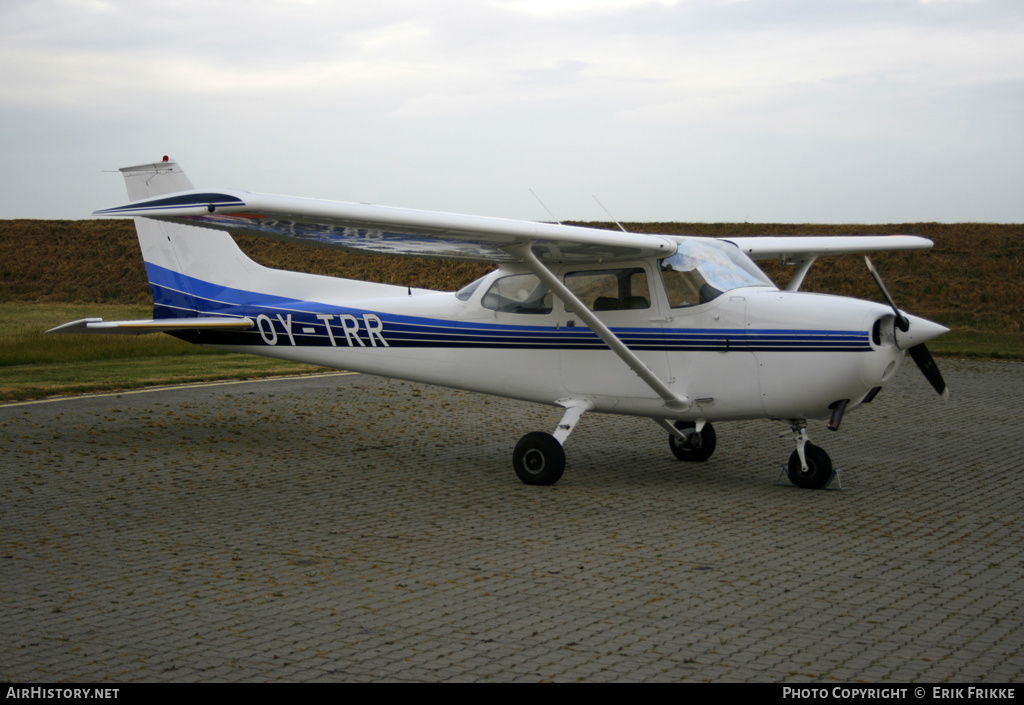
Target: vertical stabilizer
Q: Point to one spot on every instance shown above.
(178, 256)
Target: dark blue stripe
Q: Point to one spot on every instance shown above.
(174, 202)
(176, 295)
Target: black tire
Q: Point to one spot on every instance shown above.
(539, 459)
(697, 450)
(819, 468)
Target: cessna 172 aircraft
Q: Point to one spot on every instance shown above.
(682, 330)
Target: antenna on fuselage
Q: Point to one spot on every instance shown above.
(614, 220)
(545, 207)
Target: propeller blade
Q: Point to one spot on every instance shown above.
(920, 353)
(901, 322)
(926, 363)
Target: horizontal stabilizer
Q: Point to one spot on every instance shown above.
(158, 325)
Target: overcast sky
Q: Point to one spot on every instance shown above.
(865, 111)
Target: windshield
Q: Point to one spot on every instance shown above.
(703, 269)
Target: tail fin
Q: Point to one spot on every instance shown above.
(180, 259)
(198, 272)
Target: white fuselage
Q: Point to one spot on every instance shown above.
(752, 352)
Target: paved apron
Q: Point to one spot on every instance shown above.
(349, 528)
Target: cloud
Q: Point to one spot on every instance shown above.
(453, 103)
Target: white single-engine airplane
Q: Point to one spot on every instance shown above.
(681, 330)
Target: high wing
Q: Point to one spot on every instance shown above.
(803, 251)
(800, 248)
(398, 231)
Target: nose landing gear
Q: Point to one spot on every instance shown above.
(809, 466)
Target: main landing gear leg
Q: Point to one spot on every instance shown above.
(809, 466)
(539, 458)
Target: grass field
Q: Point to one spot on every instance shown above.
(52, 272)
(34, 364)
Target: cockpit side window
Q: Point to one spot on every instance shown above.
(701, 270)
(610, 289)
(518, 293)
(687, 288)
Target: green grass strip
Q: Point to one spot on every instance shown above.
(37, 381)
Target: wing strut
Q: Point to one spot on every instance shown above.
(673, 401)
(803, 266)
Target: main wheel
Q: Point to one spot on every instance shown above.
(819, 468)
(699, 447)
(539, 459)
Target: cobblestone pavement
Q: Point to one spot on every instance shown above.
(349, 528)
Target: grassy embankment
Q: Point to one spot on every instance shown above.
(55, 271)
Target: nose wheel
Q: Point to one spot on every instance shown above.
(815, 473)
(809, 466)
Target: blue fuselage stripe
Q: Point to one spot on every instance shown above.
(309, 323)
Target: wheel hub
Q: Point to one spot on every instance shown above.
(533, 461)
(693, 441)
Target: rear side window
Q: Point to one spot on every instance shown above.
(518, 293)
(466, 292)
